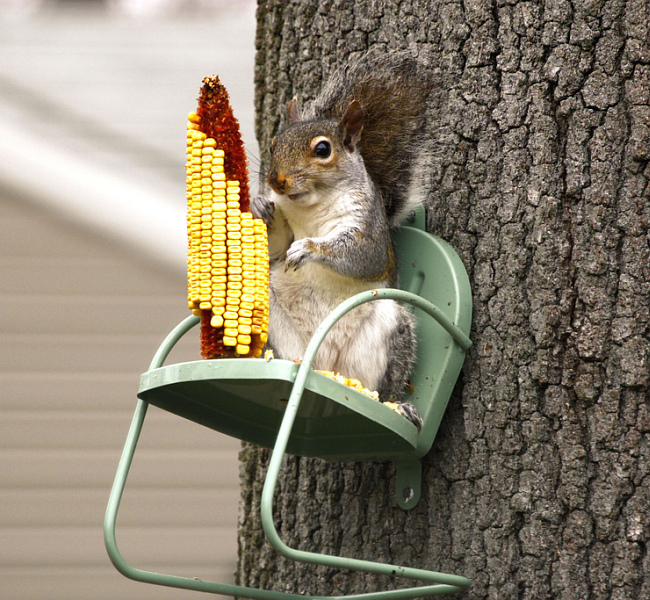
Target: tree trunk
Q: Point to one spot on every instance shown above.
(538, 484)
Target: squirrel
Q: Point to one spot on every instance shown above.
(341, 176)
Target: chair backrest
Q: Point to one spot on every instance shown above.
(430, 268)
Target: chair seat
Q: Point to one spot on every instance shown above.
(246, 398)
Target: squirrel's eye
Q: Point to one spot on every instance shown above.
(323, 149)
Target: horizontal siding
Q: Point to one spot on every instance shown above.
(78, 430)
(99, 583)
(79, 276)
(149, 314)
(22, 241)
(194, 549)
(172, 467)
(68, 390)
(81, 352)
(79, 323)
(143, 507)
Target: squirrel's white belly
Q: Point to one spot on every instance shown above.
(355, 347)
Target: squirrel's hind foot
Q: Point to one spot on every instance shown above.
(411, 413)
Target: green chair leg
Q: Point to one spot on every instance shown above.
(443, 583)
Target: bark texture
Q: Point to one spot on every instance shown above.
(538, 485)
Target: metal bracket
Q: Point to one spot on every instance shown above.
(408, 483)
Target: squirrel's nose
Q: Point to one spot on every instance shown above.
(278, 182)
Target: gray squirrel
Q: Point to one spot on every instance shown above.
(341, 176)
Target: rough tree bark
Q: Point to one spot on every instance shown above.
(538, 485)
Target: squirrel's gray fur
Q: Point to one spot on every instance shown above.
(340, 178)
(393, 141)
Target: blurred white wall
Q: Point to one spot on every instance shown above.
(97, 97)
(93, 106)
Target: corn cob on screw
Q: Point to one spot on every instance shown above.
(228, 268)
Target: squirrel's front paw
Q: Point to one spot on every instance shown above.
(262, 208)
(300, 252)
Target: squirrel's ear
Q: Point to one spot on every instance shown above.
(293, 111)
(351, 124)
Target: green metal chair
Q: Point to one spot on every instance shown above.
(290, 408)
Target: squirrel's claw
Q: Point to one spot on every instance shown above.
(262, 208)
(411, 413)
(298, 254)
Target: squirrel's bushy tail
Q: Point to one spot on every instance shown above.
(393, 89)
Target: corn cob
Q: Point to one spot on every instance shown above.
(228, 264)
